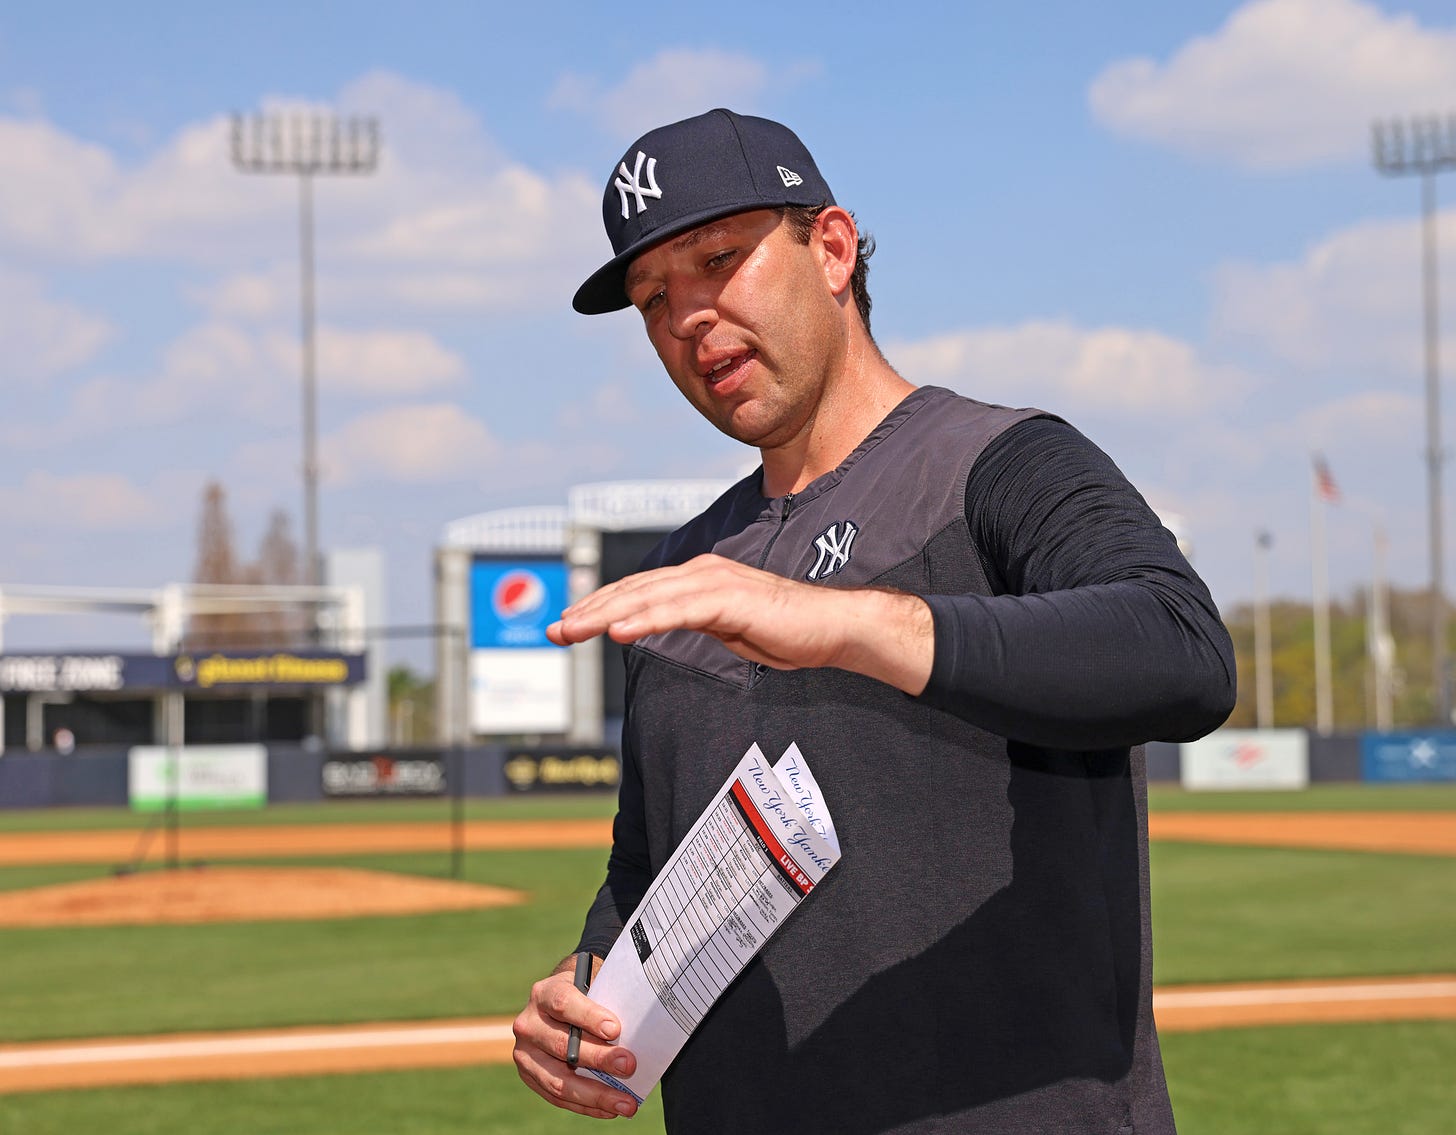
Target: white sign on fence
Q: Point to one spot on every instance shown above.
(197, 776)
(1247, 758)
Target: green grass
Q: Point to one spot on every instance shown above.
(1363, 1079)
(447, 1101)
(1244, 913)
(1366, 1079)
(1221, 913)
(79, 981)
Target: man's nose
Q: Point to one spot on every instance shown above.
(689, 312)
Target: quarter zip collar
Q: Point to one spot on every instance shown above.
(776, 508)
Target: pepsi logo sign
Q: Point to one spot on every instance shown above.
(512, 603)
(518, 596)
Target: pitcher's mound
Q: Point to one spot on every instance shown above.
(240, 894)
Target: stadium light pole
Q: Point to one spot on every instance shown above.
(306, 145)
(1426, 146)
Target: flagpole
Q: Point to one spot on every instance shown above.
(1382, 646)
(1319, 557)
(1263, 667)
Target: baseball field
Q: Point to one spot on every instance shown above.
(316, 969)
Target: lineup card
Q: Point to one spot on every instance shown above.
(762, 845)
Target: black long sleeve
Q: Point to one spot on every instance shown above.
(1100, 634)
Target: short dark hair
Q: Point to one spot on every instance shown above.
(801, 220)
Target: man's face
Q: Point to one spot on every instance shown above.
(743, 319)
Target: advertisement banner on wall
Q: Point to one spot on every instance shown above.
(1246, 758)
(519, 680)
(563, 770)
(83, 673)
(108, 673)
(268, 668)
(197, 776)
(384, 774)
(1397, 757)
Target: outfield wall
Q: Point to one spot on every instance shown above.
(101, 776)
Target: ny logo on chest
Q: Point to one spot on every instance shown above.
(834, 547)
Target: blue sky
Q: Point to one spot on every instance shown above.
(1159, 221)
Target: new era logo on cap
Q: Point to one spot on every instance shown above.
(683, 175)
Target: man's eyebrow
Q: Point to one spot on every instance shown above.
(697, 236)
(681, 244)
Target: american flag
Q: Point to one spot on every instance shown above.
(1324, 483)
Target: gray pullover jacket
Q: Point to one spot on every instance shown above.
(980, 960)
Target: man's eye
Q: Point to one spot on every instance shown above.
(722, 259)
(655, 300)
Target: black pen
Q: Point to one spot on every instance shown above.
(583, 982)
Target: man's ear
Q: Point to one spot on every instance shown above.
(839, 238)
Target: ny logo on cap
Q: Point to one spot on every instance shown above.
(790, 178)
(632, 183)
(833, 545)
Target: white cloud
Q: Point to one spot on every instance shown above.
(215, 366)
(1110, 370)
(1283, 83)
(673, 84)
(447, 210)
(506, 219)
(250, 296)
(226, 372)
(609, 405)
(384, 363)
(422, 443)
(1351, 303)
(91, 502)
(68, 199)
(1366, 420)
(51, 188)
(546, 278)
(421, 127)
(40, 337)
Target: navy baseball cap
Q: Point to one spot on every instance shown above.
(680, 176)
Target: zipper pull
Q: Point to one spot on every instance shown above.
(788, 507)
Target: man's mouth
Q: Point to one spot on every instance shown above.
(725, 368)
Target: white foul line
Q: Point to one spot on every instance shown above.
(1302, 994)
(238, 1046)
(342, 1040)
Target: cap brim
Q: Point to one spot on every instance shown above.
(605, 289)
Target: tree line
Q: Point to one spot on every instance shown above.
(1413, 701)
(278, 562)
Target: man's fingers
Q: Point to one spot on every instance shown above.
(611, 1059)
(677, 608)
(554, 1082)
(757, 615)
(697, 595)
(561, 1001)
(541, 1031)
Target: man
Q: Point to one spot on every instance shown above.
(969, 622)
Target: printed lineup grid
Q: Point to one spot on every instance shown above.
(711, 914)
